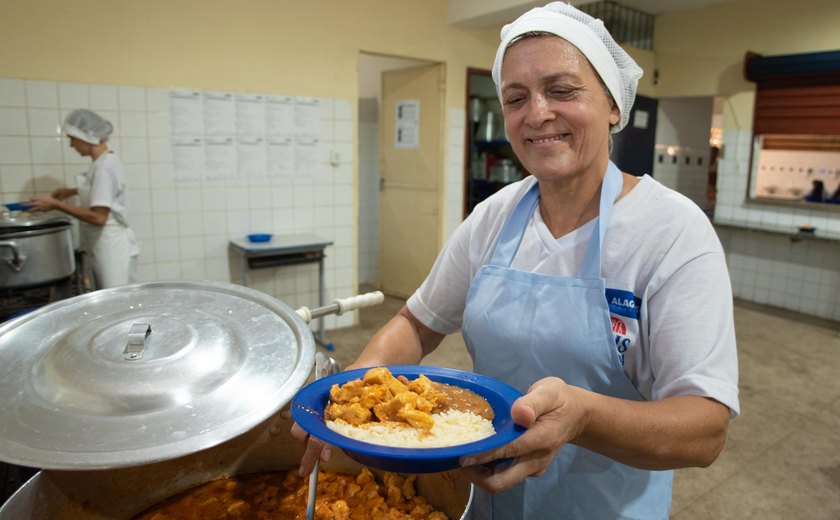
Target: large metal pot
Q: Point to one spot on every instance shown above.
(34, 249)
(130, 395)
(123, 492)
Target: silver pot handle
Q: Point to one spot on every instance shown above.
(341, 305)
(18, 258)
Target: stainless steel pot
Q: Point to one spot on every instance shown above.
(124, 492)
(132, 394)
(34, 250)
(145, 372)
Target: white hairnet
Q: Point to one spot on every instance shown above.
(87, 125)
(617, 69)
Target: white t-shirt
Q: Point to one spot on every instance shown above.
(108, 186)
(667, 285)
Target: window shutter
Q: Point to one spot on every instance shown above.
(797, 94)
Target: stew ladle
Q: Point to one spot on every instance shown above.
(324, 366)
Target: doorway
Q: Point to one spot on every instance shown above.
(490, 163)
(390, 257)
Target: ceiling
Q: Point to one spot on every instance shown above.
(485, 13)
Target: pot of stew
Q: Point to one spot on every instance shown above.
(128, 397)
(265, 452)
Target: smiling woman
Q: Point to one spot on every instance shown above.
(557, 122)
(632, 390)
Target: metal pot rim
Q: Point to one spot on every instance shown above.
(27, 220)
(33, 231)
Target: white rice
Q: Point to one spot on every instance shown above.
(451, 428)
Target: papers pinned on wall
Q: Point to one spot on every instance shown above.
(407, 133)
(224, 135)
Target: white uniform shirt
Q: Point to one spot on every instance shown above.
(108, 186)
(667, 285)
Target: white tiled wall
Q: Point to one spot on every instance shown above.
(772, 268)
(454, 198)
(184, 227)
(369, 191)
(682, 152)
(684, 169)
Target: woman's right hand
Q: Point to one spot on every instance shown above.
(43, 203)
(314, 448)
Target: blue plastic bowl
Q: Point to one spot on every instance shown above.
(18, 206)
(308, 408)
(259, 237)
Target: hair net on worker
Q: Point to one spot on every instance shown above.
(617, 69)
(87, 125)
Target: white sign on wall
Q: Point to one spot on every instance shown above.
(407, 133)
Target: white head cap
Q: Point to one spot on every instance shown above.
(87, 125)
(616, 68)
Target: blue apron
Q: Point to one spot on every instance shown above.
(520, 327)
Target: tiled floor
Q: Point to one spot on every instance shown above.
(782, 457)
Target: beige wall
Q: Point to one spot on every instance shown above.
(281, 46)
(310, 48)
(701, 52)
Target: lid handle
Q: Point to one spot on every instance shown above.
(136, 341)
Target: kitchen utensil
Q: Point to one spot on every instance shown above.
(504, 171)
(18, 206)
(486, 127)
(35, 249)
(324, 366)
(139, 392)
(259, 238)
(476, 109)
(308, 408)
(145, 372)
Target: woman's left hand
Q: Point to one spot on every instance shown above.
(554, 414)
(44, 203)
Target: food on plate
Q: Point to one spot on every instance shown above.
(282, 494)
(394, 411)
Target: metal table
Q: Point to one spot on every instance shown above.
(291, 249)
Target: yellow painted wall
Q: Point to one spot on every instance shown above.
(306, 48)
(311, 47)
(701, 52)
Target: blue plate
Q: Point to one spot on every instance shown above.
(308, 407)
(18, 206)
(259, 237)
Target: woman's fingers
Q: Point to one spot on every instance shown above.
(315, 449)
(552, 412)
(500, 477)
(299, 434)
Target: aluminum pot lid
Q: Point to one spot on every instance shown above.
(145, 372)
